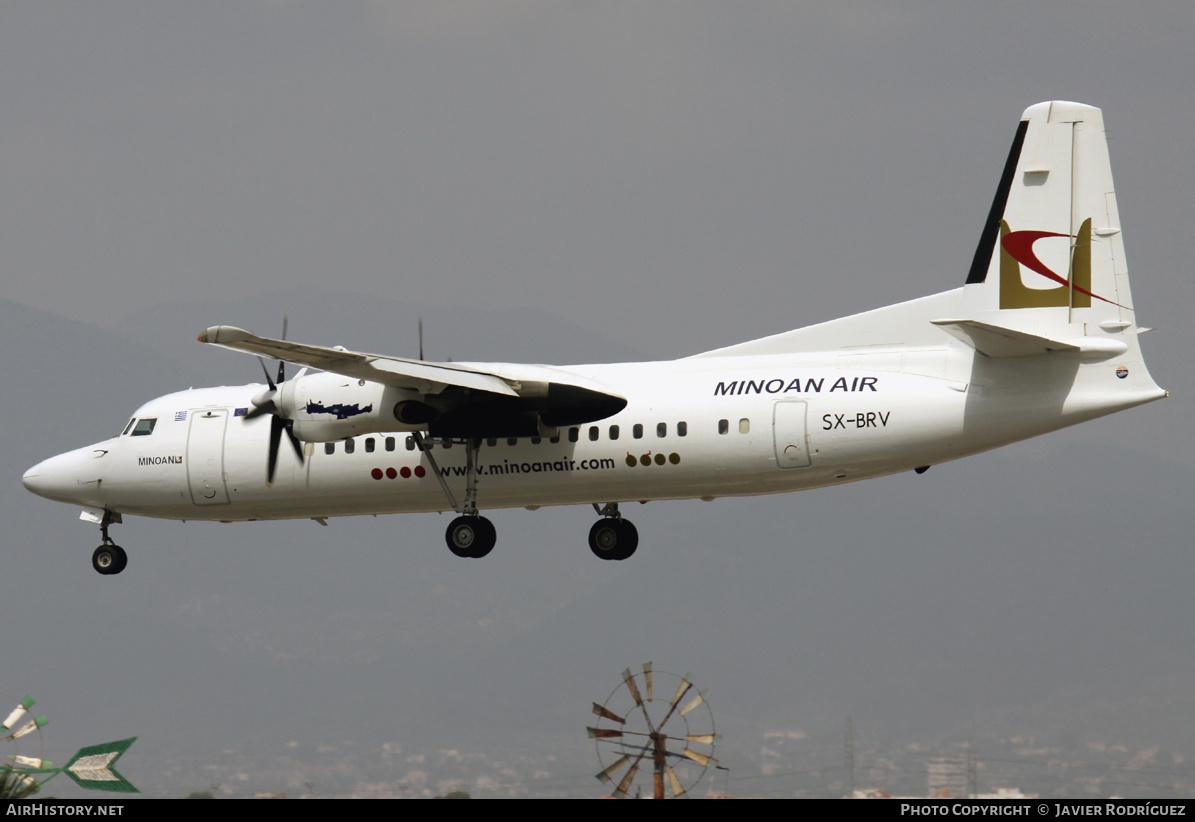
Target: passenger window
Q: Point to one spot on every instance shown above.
(637, 431)
(389, 443)
(410, 443)
(350, 446)
(723, 426)
(555, 439)
(369, 445)
(682, 429)
(329, 448)
(573, 433)
(492, 442)
(662, 430)
(744, 426)
(536, 440)
(613, 432)
(593, 433)
(512, 440)
(145, 427)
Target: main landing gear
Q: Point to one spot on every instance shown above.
(470, 534)
(612, 537)
(109, 558)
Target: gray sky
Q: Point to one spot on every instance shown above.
(670, 176)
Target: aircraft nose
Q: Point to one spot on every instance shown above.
(69, 477)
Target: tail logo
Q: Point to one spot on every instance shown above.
(1016, 250)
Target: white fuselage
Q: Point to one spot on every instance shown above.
(694, 428)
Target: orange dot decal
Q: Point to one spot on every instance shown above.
(674, 458)
(660, 459)
(391, 473)
(631, 461)
(376, 473)
(406, 472)
(419, 472)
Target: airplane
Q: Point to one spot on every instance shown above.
(1042, 335)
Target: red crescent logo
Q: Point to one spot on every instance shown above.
(1019, 245)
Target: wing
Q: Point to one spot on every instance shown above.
(473, 390)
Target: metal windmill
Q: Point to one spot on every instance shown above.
(92, 768)
(668, 740)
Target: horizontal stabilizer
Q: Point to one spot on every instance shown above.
(997, 341)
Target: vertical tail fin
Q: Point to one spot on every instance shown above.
(1050, 260)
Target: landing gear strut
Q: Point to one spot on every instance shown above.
(469, 535)
(612, 537)
(109, 558)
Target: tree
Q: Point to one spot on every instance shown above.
(15, 785)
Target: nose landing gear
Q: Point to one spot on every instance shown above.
(109, 558)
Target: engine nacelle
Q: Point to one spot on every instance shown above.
(327, 407)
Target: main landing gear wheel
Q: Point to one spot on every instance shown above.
(471, 536)
(109, 559)
(612, 538)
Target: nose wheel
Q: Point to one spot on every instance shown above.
(109, 558)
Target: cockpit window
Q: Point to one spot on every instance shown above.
(145, 427)
(127, 427)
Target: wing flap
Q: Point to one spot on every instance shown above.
(424, 377)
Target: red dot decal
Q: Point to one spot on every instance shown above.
(406, 472)
(376, 473)
(419, 472)
(391, 473)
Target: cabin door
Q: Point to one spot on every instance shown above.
(205, 457)
(790, 434)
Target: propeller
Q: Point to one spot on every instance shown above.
(267, 403)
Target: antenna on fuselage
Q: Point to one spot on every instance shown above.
(421, 338)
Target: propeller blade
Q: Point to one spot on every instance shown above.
(294, 441)
(267, 371)
(282, 363)
(277, 424)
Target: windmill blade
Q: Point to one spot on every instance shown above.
(677, 789)
(681, 690)
(22, 707)
(602, 711)
(621, 790)
(697, 700)
(630, 681)
(699, 758)
(608, 774)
